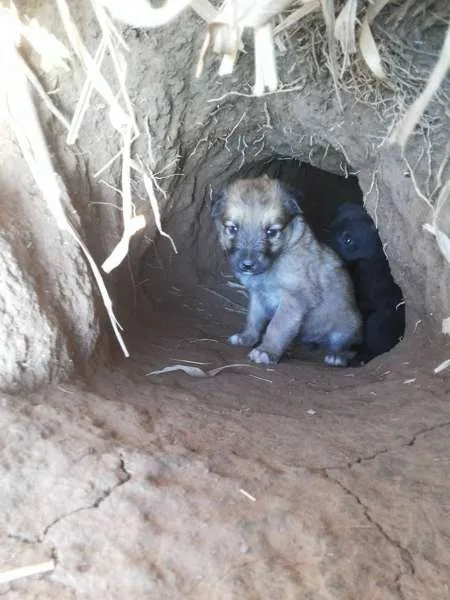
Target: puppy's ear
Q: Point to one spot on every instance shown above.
(218, 204)
(291, 199)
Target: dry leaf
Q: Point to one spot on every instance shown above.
(297, 15)
(196, 371)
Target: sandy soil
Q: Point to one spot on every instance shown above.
(298, 482)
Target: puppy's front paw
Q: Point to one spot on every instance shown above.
(335, 360)
(243, 339)
(262, 357)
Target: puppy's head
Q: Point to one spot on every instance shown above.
(253, 218)
(354, 235)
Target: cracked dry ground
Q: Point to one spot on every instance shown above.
(133, 483)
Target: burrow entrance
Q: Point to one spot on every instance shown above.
(187, 305)
(203, 267)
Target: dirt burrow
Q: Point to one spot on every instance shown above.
(200, 136)
(297, 482)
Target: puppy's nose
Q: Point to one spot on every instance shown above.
(246, 265)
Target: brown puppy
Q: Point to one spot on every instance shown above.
(297, 286)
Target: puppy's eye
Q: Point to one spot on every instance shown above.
(272, 232)
(348, 240)
(231, 228)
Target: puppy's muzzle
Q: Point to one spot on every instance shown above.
(250, 264)
(247, 265)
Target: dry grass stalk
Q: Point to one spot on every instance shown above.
(204, 9)
(400, 78)
(52, 53)
(367, 44)
(297, 15)
(119, 117)
(444, 365)
(190, 362)
(225, 36)
(150, 189)
(115, 45)
(43, 94)
(131, 223)
(20, 572)
(265, 63)
(122, 119)
(247, 13)
(140, 13)
(234, 306)
(406, 126)
(226, 26)
(443, 240)
(446, 326)
(84, 97)
(328, 11)
(435, 196)
(247, 495)
(344, 31)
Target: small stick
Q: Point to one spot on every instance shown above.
(190, 362)
(236, 93)
(444, 365)
(20, 572)
(261, 378)
(247, 495)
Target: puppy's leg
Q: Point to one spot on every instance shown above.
(257, 319)
(280, 332)
(339, 359)
(383, 329)
(338, 344)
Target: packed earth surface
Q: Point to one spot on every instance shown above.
(296, 481)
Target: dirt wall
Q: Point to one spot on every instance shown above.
(49, 305)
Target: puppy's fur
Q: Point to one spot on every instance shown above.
(355, 238)
(297, 286)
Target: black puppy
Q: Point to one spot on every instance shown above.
(353, 235)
